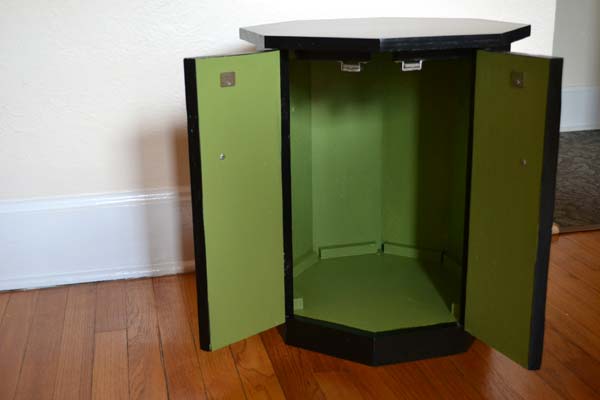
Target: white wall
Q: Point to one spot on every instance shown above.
(92, 102)
(92, 92)
(577, 40)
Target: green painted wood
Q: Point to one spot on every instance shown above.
(368, 161)
(301, 160)
(370, 164)
(355, 249)
(509, 127)
(375, 293)
(412, 252)
(242, 201)
(347, 127)
(426, 127)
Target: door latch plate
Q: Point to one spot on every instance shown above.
(227, 79)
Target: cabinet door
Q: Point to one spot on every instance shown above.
(234, 126)
(515, 146)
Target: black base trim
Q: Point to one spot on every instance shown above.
(376, 348)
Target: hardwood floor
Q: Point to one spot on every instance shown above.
(138, 339)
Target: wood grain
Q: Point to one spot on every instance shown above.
(483, 377)
(573, 358)
(255, 370)
(526, 383)
(74, 375)
(111, 308)
(368, 381)
(338, 385)
(110, 379)
(14, 332)
(576, 287)
(408, 381)
(563, 381)
(43, 346)
(293, 371)
(3, 303)
(146, 374)
(184, 378)
(221, 377)
(447, 379)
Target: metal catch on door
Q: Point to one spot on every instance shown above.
(413, 65)
(227, 79)
(355, 66)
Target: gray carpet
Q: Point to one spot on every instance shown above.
(578, 180)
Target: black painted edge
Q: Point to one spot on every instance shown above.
(548, 186)
(286, 180)
(320, 43)
(469, 171)
(455, 42)
(191, 100)
(421, 343)
(377, 348)
(386, 44)
(333, 55)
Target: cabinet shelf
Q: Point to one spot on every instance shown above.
(377, 292)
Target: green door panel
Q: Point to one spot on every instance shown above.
(240, 142)
(515, 135)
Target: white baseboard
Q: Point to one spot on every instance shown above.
(580, 108)
(54, 241)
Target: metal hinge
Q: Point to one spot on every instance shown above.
(355, 66)
(412, 65)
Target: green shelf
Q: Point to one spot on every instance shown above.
(377, 292)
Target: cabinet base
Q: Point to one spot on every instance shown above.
(376, 348)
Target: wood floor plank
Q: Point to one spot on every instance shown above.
(564, 261)
(575, 286)
(573, 357)
(577, 309)
(526, 383)
(408, 381)
(563, 380)
(14, 332)
(256, 370)
(146, 374)
(111, 306)
(576, 250)
(447, 379)
(3, 303)
(585, 248)
(221, 377)
(40, 363)
(570, 328)
(483, 377)
(369, 381)
(110, 377)
(74, 376)
(184, 378)
(338, 385)
(294, 373)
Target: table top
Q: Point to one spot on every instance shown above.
(385, 34)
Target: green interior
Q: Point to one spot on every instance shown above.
(379, 171)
